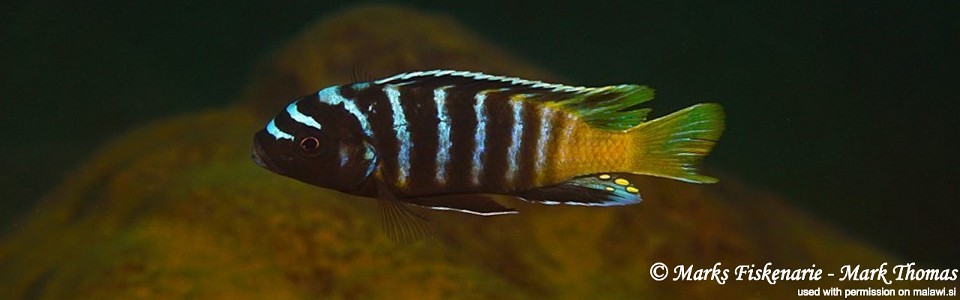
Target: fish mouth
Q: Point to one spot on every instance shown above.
(258, 155)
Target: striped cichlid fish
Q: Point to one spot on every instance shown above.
(454, 140)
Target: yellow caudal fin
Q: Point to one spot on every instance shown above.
(673, 145)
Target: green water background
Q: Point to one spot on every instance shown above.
(847, 108)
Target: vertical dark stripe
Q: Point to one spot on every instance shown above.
(500, 122)
(374, 102)
(528, 151)
(463, 124)
(422, 121)
(310, 105)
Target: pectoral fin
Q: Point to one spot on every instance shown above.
(476, 204)
(401, 223)
(609, 189)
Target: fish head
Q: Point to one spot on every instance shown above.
(316, 143)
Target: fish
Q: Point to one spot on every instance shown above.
(461, 140)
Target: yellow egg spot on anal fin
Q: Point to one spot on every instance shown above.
(632, 190)
(605, 176)
(608, 188)
(622, 182)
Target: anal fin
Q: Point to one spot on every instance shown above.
(605, 189)
(475, 204)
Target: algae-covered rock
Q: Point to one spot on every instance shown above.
(369, 43)
(177, 209)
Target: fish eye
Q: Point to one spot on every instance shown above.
(309, 145)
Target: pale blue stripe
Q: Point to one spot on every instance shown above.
(331, 95)
(513, 158)
(546, 128)
(344, 155)
(276, 132)
(360, 86)
(403, 136)
(292, 109)
(481, 137)
(443, 134)
(371, 159)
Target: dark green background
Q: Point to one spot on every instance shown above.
(848, 108)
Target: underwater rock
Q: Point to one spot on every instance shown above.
(373, 42)
(177, 209)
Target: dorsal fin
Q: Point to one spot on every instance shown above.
(615, 107)
(610, 107)
(502, 82)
